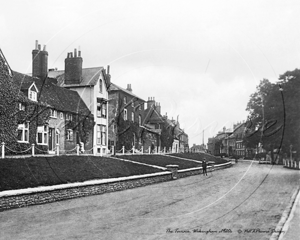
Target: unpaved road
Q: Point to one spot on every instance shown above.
(248, 198)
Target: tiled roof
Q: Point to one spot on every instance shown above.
(57, 97)
(114, 87)
(89, 77)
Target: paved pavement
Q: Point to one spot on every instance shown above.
(245, 201)
(291, 229)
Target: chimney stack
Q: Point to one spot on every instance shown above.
(73, 68)
(157, 107)
(129, 87)
(150, 102)
(108, 76)
(39, 61)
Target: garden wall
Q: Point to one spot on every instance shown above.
(41, 195)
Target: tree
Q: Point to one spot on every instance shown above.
(167, 135)
(273, 114)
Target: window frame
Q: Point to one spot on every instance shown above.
(101, 134)
(100, 85)
(125, 114)
(24, 128)
(53, 113)
(43, 130)
(22, 107)
(69, 135)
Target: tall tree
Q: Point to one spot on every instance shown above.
(273, 114)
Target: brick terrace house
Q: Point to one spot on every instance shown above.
(125, 108)
(67, 111)
(92, 86)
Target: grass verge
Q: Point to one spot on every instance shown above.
(18, 173)
(199, 157)
(161, 160)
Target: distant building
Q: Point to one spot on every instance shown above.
(198, 148)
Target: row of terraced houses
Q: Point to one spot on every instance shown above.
(86, 108)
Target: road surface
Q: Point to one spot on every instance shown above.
(242, 202)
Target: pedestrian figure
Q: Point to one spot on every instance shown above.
(204, 167)
(152, 147)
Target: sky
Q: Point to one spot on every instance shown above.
(201, 60)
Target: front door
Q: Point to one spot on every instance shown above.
(51, 139)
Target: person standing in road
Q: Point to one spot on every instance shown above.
(204, 166)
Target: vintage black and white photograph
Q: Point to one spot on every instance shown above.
(147, 119)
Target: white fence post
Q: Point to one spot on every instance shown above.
(164, 149)
(149, 150)
(158, 149)
(142, 150)
(77, 149)
(3, 149)
(112, 150)
(123, 150)
(94, 150)
(32, 149)
(101, 152)
(57, 149)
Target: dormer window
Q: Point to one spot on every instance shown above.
(32, 92)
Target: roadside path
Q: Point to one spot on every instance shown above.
(241, 202)
(291, 229)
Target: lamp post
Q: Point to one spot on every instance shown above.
(281, 91)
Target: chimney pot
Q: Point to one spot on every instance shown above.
(71, 55)
(107, 69)
(44, 48)
(36, 44)
(39, 47)
(75, 52)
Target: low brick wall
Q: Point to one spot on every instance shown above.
(41, 197)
